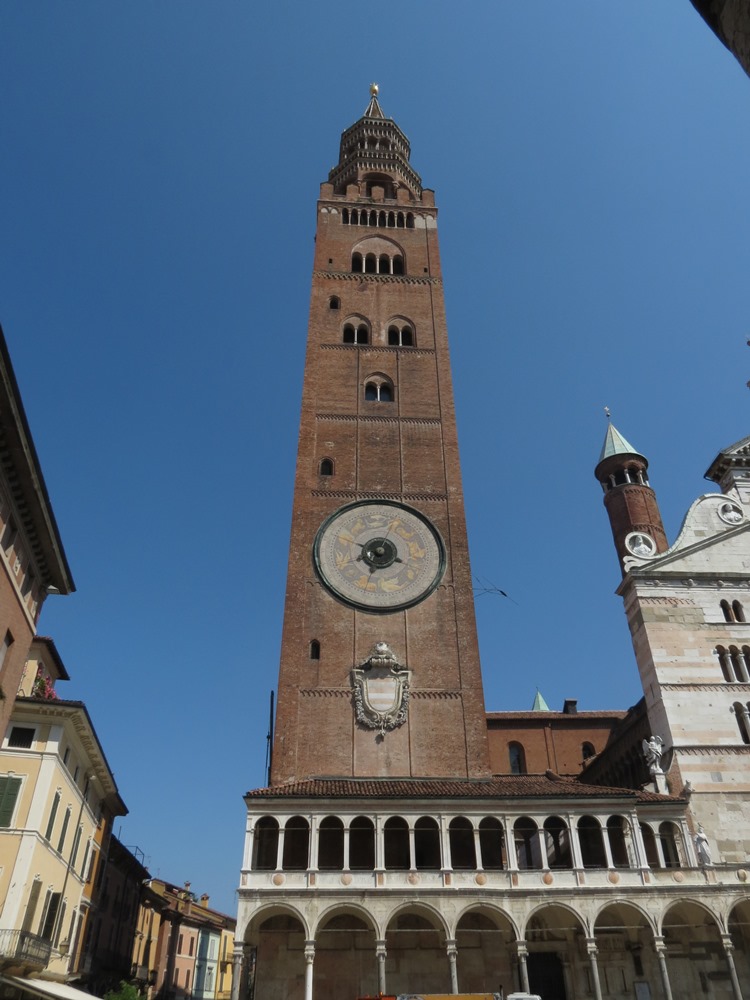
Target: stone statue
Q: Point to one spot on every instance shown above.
(653, 748)
(702, 847)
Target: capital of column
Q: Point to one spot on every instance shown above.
(726, 942)
(451, 947)
(522, 949)
(380, 950)
(660, 945)
(591, 947)
(309, 952)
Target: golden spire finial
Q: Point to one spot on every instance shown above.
(373, 90)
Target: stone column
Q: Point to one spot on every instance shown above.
(523, 952)
(379, 847)
(541, 839)
(380, 955)
(280, 849)
(238, 971)
(510, 844)
(659, 851)
(592, 951)
(575, 844)
(478, 850)
(661, 952)
(314, 843)
(412, 849)
(249, 842)
(567, 978)
(452, 950)
(309, 959)
(639, 847)
(726, 942)
(445, 845)
(607, 846)
(346, 848)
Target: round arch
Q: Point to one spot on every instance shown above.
(415, 941)
(687, 909)
(352, 908)
(345, 952)
(422, 909)
(556, 962)
(266, 912)
(738, 924)
(497, 914)
(690, 928)
(559, 913)
(620, 910)
(278, 933)
(485, 937)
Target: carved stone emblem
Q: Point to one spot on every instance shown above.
(381, 689)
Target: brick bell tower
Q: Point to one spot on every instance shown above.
(631, 504)
(379, 673)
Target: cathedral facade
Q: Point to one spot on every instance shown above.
(408, 842)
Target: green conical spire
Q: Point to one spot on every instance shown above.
(540, 705)
(615, 444)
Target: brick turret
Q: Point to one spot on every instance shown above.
(631, 504)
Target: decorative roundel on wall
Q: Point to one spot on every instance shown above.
(731, 513)
(638, 543)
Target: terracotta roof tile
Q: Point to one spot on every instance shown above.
(504, 787)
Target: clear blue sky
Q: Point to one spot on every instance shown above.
(159, 170)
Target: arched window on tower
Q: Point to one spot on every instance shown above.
(357, 264)
(725, 663)
(358, 334)
(400, 335)
(334, 302)
(739, 611)
(326, 467)
(739, 665)
(742, 715)
(379, 389)
(517, 758)
(397, 265)
(727, 611)
(314, 649)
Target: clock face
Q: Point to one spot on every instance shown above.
(379, 555)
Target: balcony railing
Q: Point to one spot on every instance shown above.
(22, 947)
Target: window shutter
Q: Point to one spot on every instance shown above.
(28, 917)
(9, 789)
(52, 815)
